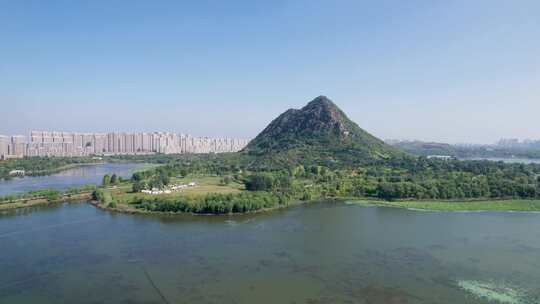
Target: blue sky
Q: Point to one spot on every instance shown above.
(453, 71)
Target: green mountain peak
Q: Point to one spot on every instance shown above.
(320, 133)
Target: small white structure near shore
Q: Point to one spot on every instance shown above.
(170, 189)
(17, 173)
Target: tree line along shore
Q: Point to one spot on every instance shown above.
(227, 185)
(314, 153)
(42, 166)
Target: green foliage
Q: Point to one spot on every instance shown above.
(114, 179)
(315, 152)
(260, 182)
(36, 166)
(183, 172)
(103, 196)
(137, 176)
(392, 179)
(213, 203)
(318, 134)
(138, 186)
(98, 195)
(51, 195)
(430, 148)
(72, 191)
(473, 205)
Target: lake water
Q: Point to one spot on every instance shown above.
(75, 177)
(507, 160)
(316, 253)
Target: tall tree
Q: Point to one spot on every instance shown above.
(106, 180)
(114, 179)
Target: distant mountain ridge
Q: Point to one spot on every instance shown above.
(421, 148)
(318, 133)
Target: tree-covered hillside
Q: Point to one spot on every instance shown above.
(319, 133)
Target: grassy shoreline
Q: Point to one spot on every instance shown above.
(508, 205)
(78, 165)
(211, 192)
(61, 168)
(126, 209)
(446, 206)
(42, 201)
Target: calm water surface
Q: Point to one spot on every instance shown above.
(317, 253)
(75, 177)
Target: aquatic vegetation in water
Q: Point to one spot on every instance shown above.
(231, 223)
(387, 295)
(493, 292)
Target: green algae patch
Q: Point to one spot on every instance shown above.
(498, 293)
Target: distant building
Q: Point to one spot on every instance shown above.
(508, 142)
(17, 173)
(516, 143)
(17, 147)
(4, 146)
(43, 143)
(442, 157)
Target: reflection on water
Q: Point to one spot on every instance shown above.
(318, 253)
(75, 177)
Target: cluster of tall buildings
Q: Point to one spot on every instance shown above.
(516, 143)
(42, 143)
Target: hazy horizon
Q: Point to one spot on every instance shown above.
(452, 71)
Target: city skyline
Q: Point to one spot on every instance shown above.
(69, 144)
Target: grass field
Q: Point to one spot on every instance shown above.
(495, 205)
(207, 184)
(204, 185)
(145, 167)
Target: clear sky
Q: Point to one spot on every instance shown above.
(453, 71)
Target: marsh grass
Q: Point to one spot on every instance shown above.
(493, 205)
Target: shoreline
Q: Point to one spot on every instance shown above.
(75, 165)
(506, 206)
(54, 171)
(455, 206)
(41, 201)
(101, 206)
(63, 168)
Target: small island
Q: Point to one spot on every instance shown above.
(317, 153)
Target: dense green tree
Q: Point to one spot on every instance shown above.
(138, 186)
(259, 182)
(114, 179)
(137, 176)
(213, 203)
(106, 180)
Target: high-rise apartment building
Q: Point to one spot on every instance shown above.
(80, 144)
(4, 146)
(17, 147)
